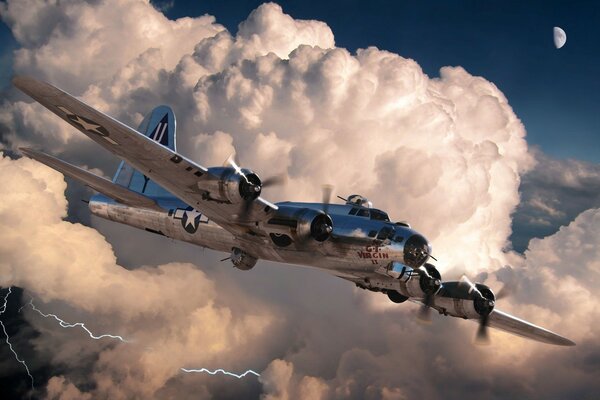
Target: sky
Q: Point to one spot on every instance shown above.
(465, 120)
(554, 92)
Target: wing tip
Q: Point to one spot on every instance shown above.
(22, 81)
(33, 87)
(31, 153)
(563, 341)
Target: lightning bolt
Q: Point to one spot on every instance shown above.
(81, 325)
(2, 311)
(65, 324)
(222, 371)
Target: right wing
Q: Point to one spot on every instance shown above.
(187, 180)
(506, 322)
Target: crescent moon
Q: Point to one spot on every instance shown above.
(560, 37)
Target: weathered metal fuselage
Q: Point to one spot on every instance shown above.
(359, 248)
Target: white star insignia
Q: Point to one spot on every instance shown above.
(191, 217)
(87, 125)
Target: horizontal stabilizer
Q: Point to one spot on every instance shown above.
(102, 185)
(516, 326)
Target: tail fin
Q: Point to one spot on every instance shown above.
(159, 125)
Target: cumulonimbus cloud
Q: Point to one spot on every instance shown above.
(445, 153)
(73, 267)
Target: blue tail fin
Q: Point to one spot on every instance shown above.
(159, 125)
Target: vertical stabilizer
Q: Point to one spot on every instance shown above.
(159, 125)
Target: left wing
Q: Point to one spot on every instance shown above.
(187, 180)
(506, 322)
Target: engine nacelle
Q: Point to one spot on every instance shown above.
(301, 224)
(232, 187)
(410, 282)
(242, 260)
(458, 300)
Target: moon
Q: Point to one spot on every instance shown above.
(560, 37)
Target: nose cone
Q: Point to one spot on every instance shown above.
(416, 251)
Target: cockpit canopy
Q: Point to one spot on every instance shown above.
(358, 200)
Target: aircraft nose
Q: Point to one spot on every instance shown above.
(416, 251)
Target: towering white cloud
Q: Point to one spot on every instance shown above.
(445, 149)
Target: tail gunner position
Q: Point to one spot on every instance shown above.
(161, 191)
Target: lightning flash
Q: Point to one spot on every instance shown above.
(2, 311)
(81, 325)
(222, 371)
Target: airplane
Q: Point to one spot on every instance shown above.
(161, 191)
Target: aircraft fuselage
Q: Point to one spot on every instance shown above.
(360, 247)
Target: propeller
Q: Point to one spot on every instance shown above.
(274, 180)
(482, 337)
(504, 292)
(425, 310)
(465, 284)
(254, 186)
(430, 283)
(326, 191)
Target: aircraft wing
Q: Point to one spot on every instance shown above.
(180, 176)
(506, 322)
(102, 185)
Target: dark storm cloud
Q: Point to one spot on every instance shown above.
(553, 193)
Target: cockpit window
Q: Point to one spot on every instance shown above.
(363, 212)
(353, 211)
(379, 215)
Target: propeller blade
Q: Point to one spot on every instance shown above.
(231, 161)
(327, 189)
(504, 292)
(274, 180)
(465, 284)
(483, 336)
(425, 310)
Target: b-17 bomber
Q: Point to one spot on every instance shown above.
(159, 190)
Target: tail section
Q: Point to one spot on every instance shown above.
(159, 125)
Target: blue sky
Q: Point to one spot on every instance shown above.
(556, 93)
